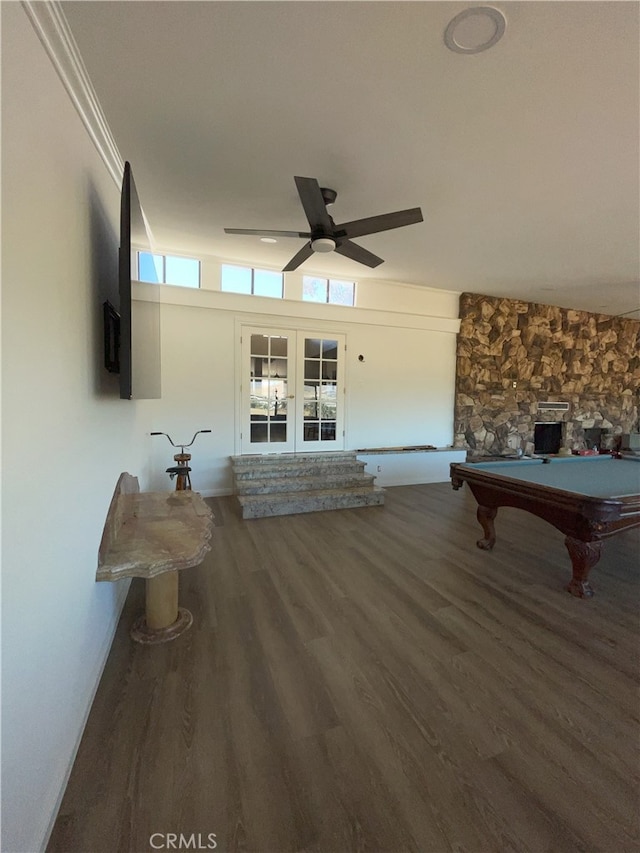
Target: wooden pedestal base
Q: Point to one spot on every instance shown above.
(163, 619)
(141, 633)
(162, 600)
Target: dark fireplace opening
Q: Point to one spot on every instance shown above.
(547, 437)
(594, 438)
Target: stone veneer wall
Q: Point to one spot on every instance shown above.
(511, 355)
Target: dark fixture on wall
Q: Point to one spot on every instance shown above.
(111, 325)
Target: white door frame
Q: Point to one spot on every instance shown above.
(300, 431)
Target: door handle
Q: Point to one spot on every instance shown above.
(291, 397)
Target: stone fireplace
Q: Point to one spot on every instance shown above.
(514, 356)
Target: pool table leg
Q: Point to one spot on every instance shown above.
(584, 556)
(485, 515)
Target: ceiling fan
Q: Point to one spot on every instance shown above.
(325, 236)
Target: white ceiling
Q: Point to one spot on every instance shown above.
(524, 158)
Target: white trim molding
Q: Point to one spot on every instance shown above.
(53, 30)
(265, 311)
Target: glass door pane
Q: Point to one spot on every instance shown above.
(321, 416)
(267, 422)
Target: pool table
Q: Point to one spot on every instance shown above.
(588, 498)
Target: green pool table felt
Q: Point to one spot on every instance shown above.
(596, 476)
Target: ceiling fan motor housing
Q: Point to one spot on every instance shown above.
(328, 196)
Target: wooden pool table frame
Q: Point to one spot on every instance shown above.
(584, 520)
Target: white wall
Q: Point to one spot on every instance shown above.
(401, 393)
(197, 393)
(403, 469)
(66, 435)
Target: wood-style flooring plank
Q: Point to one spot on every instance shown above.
(369, 680)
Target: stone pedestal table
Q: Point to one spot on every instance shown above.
(153, 535)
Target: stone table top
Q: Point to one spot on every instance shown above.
(148, 533)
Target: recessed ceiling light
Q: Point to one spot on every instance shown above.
(475, 30)
(268, 240)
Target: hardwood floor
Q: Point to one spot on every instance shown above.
(369, 680)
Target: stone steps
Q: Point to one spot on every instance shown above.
(244, 473)
(292, 458)
(317, 500)
(272, 465)
(304, 483)
(291, 483)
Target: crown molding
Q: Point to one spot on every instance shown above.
(50, 24)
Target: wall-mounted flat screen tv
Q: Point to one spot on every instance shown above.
(139, 332)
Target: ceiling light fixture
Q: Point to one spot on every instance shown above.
(474, 30)
(268, 240)
(323, 244)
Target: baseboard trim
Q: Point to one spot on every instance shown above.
(215, 493)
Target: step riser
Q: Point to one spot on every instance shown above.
(292, 458)
(262, 472)
(311, 504)
(302, 484)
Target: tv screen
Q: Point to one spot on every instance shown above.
(139, 332)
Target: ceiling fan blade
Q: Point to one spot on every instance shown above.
(314, 206)
(373, 224)
(357, 253)
(305, 252)
(257, 233)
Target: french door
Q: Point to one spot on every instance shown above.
(292, 391)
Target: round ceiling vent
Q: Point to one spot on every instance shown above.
(475, 29)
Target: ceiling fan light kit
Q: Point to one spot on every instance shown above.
(323, 244)
(325, 236)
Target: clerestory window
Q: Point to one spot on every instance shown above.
(332, 291)
(168, 269)
(253, 282)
